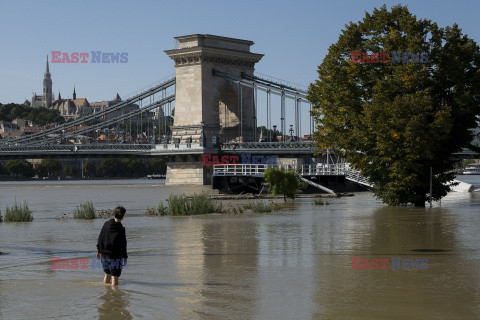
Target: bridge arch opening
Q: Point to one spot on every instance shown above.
(229, 116)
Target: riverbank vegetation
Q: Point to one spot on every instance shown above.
(18, 213)
(106, 168)
(84, 211)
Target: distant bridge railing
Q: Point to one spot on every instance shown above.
(294, 147)
(268, 145)
(76, 147)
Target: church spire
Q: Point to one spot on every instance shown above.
(59, 96)
(47, 87)
(74, 94)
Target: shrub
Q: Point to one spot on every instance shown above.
(184, 205)
(18, 213)
(84, 211)
(283, 182)
(161, 209)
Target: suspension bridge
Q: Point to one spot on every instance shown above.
(214, 100)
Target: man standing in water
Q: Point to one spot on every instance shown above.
(112, 247)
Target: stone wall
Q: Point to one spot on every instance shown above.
(188, 173)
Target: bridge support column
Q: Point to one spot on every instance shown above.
(188, 170)
(208, 103)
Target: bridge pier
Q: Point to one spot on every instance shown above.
(188, 170)
(209, 109)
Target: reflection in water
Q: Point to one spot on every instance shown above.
(231, 249)
(221, 258)
(189, 264)
(114, 304)
(445, 290)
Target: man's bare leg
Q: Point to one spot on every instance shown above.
(114, 281)
(107, 279)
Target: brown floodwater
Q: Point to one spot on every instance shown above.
(292, 264)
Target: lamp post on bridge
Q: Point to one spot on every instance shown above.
(291, 132)
(274, 137)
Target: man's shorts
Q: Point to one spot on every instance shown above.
(112, 266)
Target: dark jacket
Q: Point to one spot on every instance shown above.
(112, 240)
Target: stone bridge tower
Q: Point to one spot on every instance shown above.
(207, 104)
(204, 101)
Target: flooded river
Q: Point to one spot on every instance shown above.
(292, 264)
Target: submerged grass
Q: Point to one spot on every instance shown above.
(260, 206)
(84, 211)
(151, 212)
(105, 213)
(320, 202)
(18, 213)
(183, 205)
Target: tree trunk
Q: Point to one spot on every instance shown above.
(420, 203)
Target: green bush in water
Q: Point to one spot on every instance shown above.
(18, 213)
(84, 211)
(181, 204)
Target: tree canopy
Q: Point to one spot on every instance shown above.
(283, 182)
(40, 116)
(393, 121)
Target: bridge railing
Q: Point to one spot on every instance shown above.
(318, 169)
(356, 176)
(268, 145)
(256, 170)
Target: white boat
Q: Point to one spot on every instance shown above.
(472, 169)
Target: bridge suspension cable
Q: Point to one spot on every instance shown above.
(111, 121)
(265, 85)
(95, 116)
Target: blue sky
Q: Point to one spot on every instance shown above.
(293, 35)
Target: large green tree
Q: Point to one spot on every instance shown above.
(393, 121)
